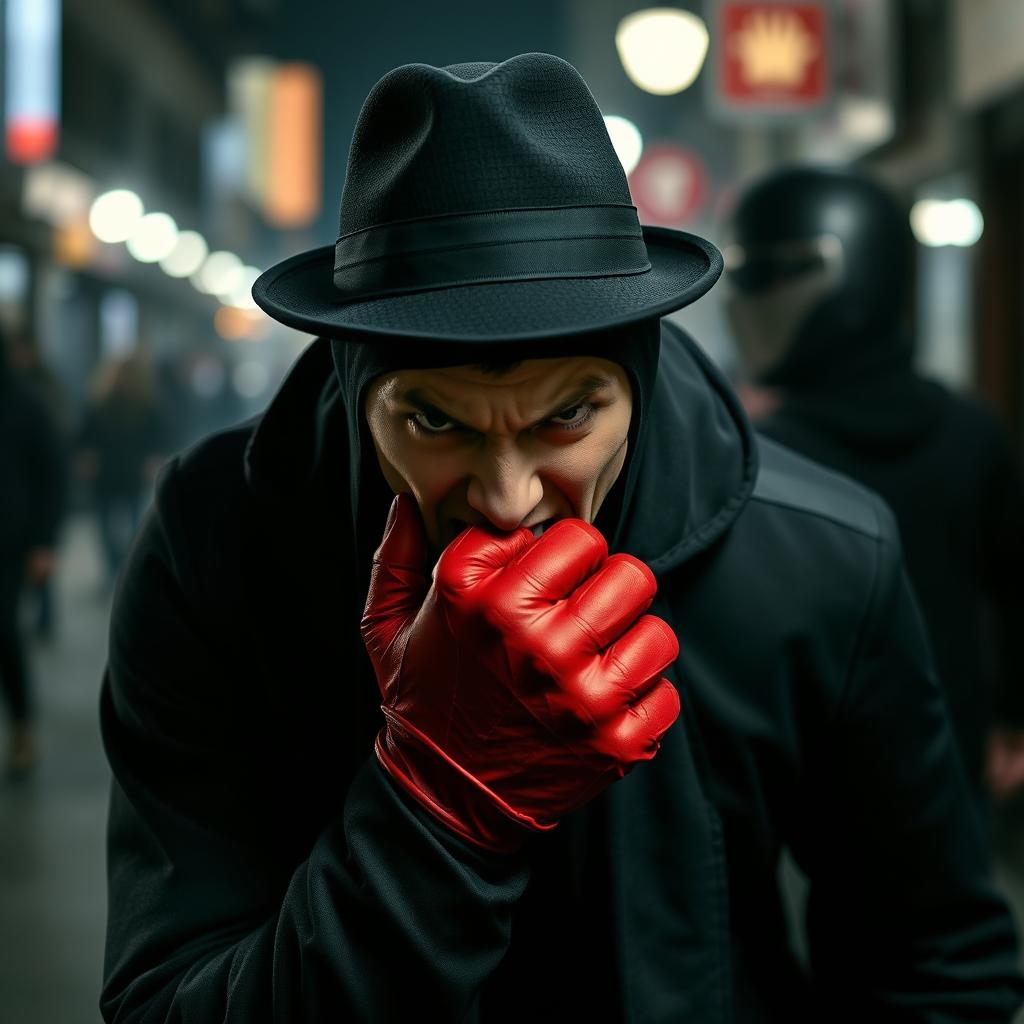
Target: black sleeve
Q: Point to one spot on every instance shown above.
(1002, 542)
(388, 917)
(904, 922)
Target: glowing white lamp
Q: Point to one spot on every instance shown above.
(662, 49)
(241, 294)
(153, 237)
(966, 223)
(187, 255)
(937, 222)
(114, 215)
(221, 271)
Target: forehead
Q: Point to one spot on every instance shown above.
(529, 377)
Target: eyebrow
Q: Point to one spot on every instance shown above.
(588, 386)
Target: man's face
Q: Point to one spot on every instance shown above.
(544, 441)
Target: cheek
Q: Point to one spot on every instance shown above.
(582, 468)
(408, 468)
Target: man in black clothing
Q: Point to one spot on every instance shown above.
(384, 747)
(818, 278)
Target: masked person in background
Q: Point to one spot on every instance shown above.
(485, 675)
(819, 277)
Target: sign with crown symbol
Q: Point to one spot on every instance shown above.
(771, 58)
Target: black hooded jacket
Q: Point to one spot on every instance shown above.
(942, 462)
(263, 868)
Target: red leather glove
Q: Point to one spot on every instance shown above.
(516, 685)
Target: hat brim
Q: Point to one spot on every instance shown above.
(300, 293)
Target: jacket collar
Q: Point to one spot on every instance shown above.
(699, 465)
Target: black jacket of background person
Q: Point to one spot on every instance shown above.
(32, 469)
(262, 867)
(942, 463)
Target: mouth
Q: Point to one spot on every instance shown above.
(537, 529)
(541, 527)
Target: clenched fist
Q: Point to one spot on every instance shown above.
(519, 681)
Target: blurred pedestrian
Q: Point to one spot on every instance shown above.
(819, 279)
(28, 362)
(32, 486)
(121, 446)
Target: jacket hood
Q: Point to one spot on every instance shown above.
(873, 401)
(691, 462)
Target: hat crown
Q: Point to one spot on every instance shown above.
(465, 138)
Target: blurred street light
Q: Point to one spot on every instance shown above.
(187, 255)
(221, 271)
(662, 49)
(240, 294)
(153, 238)
(937, 222)
(114, 215)
(626, 139)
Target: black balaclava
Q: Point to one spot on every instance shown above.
(636, 347)
(817, 277)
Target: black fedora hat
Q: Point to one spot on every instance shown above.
(485, 202)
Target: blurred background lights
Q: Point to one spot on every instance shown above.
(937, 222)
(187, 255)
(220, 273)
(235, 324)
(114, 215)
(662, 49)
(231, 323)
(626, 139)
(250, 378)
(241, 294)
(153, 237)
(208, 376)
(14, 274)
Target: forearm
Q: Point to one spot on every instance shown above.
(389, 919)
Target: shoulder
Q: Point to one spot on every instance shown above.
(195, 525)
(220, 455)
(798, 487)
(818, 544)
(205, 483)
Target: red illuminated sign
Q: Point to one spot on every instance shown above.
(772, 55)
(667, 185)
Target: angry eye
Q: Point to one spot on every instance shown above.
(577, 415)
(432, 428)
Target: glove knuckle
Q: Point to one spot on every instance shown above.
(660, 639)
(647, 579)
(591, 700)
(594, 536)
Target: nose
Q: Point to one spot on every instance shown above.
(505, 489)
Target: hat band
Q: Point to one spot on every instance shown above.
(521, 244)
